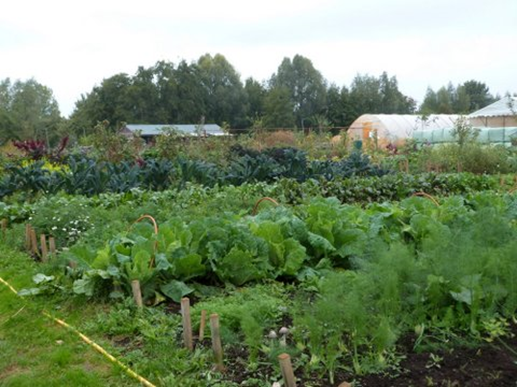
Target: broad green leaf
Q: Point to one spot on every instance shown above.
(238, 267)
(294, 257)
(465, 295)
(176, 290)
(84, 286)
(29, 292)
(188, 266)
(42, 278)
(102, 259)
(321, 245)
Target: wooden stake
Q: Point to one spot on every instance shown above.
(28, 244)
(202, 325)
(216, 342)
(44, 249)
(34, 242)
(4, 228)
(137, 293)
(287, 370)
(52, 246)
(187, 325)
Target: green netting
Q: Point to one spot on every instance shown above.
(486, 135)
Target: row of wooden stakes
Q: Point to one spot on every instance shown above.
(42, 251)
(284, 359)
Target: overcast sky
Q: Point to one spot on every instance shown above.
(71, 46)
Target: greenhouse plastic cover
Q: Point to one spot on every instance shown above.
(500, 108)
(486, 135)
(402, 125)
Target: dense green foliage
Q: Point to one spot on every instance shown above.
(203, 200)
(463, 99)
(210, 90)
(443, 271)
(28, 109)
(275, 243)
(88, 177)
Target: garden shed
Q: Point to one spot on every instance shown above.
(500, 114)
(148, 132)
(395, 128)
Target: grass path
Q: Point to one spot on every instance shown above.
(35, 351)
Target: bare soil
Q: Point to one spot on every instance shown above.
(490, 365)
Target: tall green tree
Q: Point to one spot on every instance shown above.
(365, 95)
(143, 99)
(191, 96)
(463, 99)
(166, 85)
(339, 109)
(256, 94)
(478, 94)
(369, 94)
(224, 92)
(392, 99)
(110, 101)
(28, 110)
(278, 108)
(306, 86)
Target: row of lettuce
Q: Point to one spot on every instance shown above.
(285, 242)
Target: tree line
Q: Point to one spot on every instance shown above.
(211, 90)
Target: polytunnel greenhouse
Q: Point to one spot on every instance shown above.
(396, 128)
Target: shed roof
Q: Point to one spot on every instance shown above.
(187, 129)
(506, 106)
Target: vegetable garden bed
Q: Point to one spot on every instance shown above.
(386, 293)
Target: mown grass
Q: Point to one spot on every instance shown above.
(35, 351)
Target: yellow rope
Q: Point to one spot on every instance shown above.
(8, 285)
(101, 350)
(90, 342)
